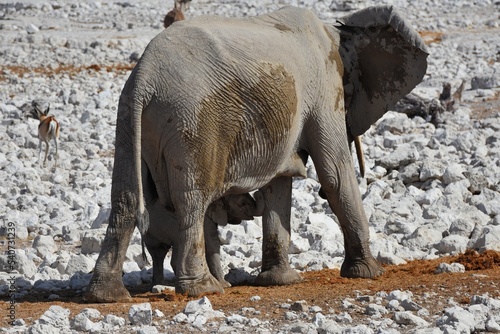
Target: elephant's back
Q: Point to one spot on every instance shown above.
(203, 54)
(213, 42)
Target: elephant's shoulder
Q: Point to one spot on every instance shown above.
(290, 18)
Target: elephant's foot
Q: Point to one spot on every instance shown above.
(106, 289)
(361, 268)
(200, 286)
(225, 284)
(278, 276)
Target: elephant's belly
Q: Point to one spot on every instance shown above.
(256, 178)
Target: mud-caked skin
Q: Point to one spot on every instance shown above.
(220, 106)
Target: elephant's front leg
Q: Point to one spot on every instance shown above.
(276, 269)
(158, 254)
(193, 277)
(339, 185)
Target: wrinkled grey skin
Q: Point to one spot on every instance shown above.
(162, 234)
(220, 106)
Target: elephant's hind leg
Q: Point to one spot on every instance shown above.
(276, 269)
(193, 276)
(106, 284)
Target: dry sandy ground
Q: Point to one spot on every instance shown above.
(320, 288)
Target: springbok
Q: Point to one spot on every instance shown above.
(47, 129)
(176, 14)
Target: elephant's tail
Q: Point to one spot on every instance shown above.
(139, 102)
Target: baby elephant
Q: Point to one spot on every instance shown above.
(164, 229)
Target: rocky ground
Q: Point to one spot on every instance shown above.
(431, 191)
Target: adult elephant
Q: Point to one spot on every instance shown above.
(220, 106)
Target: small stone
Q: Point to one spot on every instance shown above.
(255, 298)
(140, 314)
(376, 310)
(483, 82)
(44, 245)
(457, 316)
(160, 288)
(410, 305)
(147, 330)
(299, 306)
(492, 326)
(453, 173)
(399, 295)
(197, 306)
(79, 262)
(452, 244)
(290, 315)
(31, 29)
(158, 314)
(102, 218)
(56, 316)
(450, 268)
(91, 313)
(92, 240)
(408, 318)
(489, 239)
(180, 318)
(364, 298)
(114, 320)
(236, 318)
(315, 309)
(19, 322)
(389, 258)
(82, 323)
(462, 227)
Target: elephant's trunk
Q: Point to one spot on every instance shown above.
(260, 203)
(359, 154)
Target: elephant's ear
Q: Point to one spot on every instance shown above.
(384, 59)
(217, 212)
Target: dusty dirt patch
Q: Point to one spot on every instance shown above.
(431, 36)
(485, 108)
(70, 70)
(323, 288)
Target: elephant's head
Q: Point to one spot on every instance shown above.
(384, 59)
(232, 209)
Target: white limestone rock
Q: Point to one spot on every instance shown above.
(79, 262)
(55, 316)
(458, 318)
(452, 244)
(489, 238)
(141, 314)
(148, 330)
(82, 323)
(92, 240)
(44, 245)
(408, 318)
(203, 307)
(450, 268)
(423, 238)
